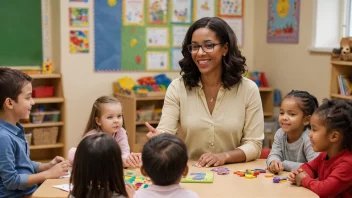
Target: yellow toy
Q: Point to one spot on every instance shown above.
(47, 67)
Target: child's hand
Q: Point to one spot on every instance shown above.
(299, 177)
(56, 160)
(292, 176)
(276, 167)
(60, 169)
(134, 160)
(130, 190)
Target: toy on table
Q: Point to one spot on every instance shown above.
(221, 170)
(136, 181)
(124, 85)
(278, 179)
(207, 177)
(250, 173)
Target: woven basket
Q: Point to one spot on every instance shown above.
(48, 135)
(346, 57)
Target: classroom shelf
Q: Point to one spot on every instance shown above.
(49, 146)
(340, 96)
(266, 89)
(339, 68)
(45, 76)
(342, 63)
(48, 100)
(45, 124)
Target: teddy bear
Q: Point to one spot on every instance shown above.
(344, 52)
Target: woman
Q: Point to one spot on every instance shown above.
(219, 110)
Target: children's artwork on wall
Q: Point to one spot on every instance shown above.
(181, 11)
(157, 60)
(178, 35)
(78, 17)
(157, 11)
(203, 8)
(79, 42)
(107, 36)
(283, 21)
(176, 57)
(231, 8)
(237, 26)
(133, 12)
(86, 1)
(157, 37)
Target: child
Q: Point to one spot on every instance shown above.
(329, 175)
(291, 147)
(106, 116)
(19, 175)
(165, 162)
(97, 168)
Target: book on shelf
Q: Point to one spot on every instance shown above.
(345, 85)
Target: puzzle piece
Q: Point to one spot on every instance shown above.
(221, 170)
(136, 181)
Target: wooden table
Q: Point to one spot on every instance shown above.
(224, 185)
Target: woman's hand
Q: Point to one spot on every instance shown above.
(212, 159)
(152, 131)
(134, 160)
(276, 167)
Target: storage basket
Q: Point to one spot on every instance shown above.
(45, 135)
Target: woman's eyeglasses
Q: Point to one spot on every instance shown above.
(206, 47)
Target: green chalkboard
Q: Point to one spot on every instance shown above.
(20, 33)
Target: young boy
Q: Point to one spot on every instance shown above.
(164, 160)
(19, 175)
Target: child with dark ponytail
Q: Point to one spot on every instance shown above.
(329, 175)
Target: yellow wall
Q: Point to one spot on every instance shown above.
(291, 66)
(82, 85)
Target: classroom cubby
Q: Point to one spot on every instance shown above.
(339, 68)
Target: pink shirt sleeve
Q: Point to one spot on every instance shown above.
(122, 140)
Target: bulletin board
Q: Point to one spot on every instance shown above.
(21, 33)
(152, 31)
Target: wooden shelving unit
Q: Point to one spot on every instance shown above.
(339, 68)
(45, 153)
(132, 102)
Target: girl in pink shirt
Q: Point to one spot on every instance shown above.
(106, 116)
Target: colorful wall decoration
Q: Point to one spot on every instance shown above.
(283, 21)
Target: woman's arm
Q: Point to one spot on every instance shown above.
(253, 131)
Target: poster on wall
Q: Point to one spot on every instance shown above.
(181, 11)
(133, 12)
(157, 60)
(176, 57)
(231, 8)
(78, 17)
(203, 8)
(283, 21)
(178, 35)
(157, 11)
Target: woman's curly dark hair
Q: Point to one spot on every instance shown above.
(233, 64)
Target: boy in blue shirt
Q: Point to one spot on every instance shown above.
(19, 176)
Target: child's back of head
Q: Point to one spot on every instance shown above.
(165, 159)
(97, 169)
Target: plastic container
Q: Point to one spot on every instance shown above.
(144, 115)
(37, 117)
(43, 92)
(45, 116)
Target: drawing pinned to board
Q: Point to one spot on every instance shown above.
(178, 35)
(157, 37)
(181, 11)
(203, 8)
(237, 26)
(79, 42)
(176, 57)
(133, 12)
(157, 11)
(138, 59)
(231, 8)
(133, 42)
(78, 17)
(112, 3)
(157, 60)
(85, 1)
(283, 21)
